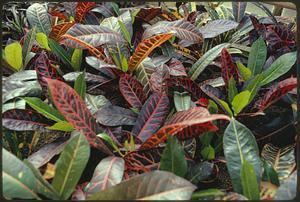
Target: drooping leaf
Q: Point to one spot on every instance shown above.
(73, 108)
(257, 56)
(108, 173)
(288, 190)
(281, 65)
(249, 182)
(164, 185)
(217, 27)
(173, 158)
(182, 29)
(238, 10)
(152, 116)
(28, 44)
(182, 101)
(187, 84)
(60, 29)
(132, 91)
(145, 48)
(70, 165)
(24, 119)
(205, 60)
(37, 16)
(81, 10)
(200, 171)
(240, 101)
(80, 85)
(18, 179)
(282, 159)
(228, 68)
(185, 125)
(276, 92)
(13, 55)
(110, 115)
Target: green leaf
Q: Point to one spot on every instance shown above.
(60, 52)
(239, 143)
(13, 55)
(18, 179)
(269, 174)
(232, 90)
(124, 64)
(27, 46)
(80, 85)
(76, 59)
(205, 60)
(279, 67)
(257, 56)
(207, 193)
(254, 86)
(43, 187)
(155, 185)
(212, 107)
(208, 153)
(125, 32)
(108, 173)
(173, 158)
(240, 101)
(249, 181)
(244, 71)
(61, 126)
(42, 40)
(95, 102)
(182, 101)
(226, 107)
(38, 16)
(70, 165)
(44, 109)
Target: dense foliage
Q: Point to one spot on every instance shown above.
(107, 101)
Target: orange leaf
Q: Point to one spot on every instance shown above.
(60, 29)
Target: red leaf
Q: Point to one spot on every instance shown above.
(82, 8)
(187, 84)
(185, 125)
(176, 68)
(73, 108)
(24, 119)
(228, 68)
(60, 15)
(45, 70)
(152, 116)
(276, 92)
(132, 91)
(157, 79)
(147, 14)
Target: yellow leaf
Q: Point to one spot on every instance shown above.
(13, 55)
(42, 40)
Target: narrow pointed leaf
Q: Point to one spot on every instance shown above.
(244, 71)
(27, 46)
(80, 85)
(187, 84)
(228, 68)
(257, 56)
(238, 10)
(217, 27)
(59, 30)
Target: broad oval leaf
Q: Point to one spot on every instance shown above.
(145, 48)
(217, 27)
(288, 190)
(108, 173)
(73, 108)
(182, 101)
(173, 158)
(257, 56)
(110, 115)
(181, 28)
(18, 179)
(37, 16)
(70, 165)
(132, 91)
(152, 116)
(156, 185)
(240, 101)
(13, 55)
(185, 125)
(239, 143)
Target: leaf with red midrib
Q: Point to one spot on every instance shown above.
(276, 92)
(185, 125)
(82, 8)
(59, 30)
(132, 91)
(73, 108)
(152, 116)
(228, 69)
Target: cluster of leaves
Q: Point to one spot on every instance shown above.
(136, 84)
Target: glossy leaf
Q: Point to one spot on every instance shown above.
(240, 101)
(163, 186)
(187, 84)
(28, 44)
(281, 65)
(73, 108)
(228, 68)
(205, 60)
(257, 56)
(61, 126)
(110, 115)
(42, 40)
(23, 120)
(70, 165)
(217, 27)
(232, 90)
(282, 159)
(18, 179)
(173, 158)
(244, 71)
(76, 59)
(239, 143)
(13, 55)
(176, 68)
(132, 91)
(81, 10)
(60, 52)
(80, 85)
(158, 79)
(269, 174)
(182, 101)
(152, 116)
(185, 125)
(95, 102)
(60, 29)
(288, 190)
(109, 172)
(145, 48)
(37, 16)
(276, 92)
(200, 171)
(182, 29)
(147, 14)
(238, 10)
(249, 182)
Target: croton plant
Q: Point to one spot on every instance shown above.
(126, 101)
